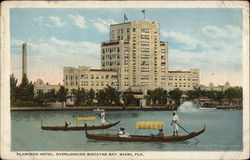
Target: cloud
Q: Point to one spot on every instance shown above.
(228, 31)
(79, 21)
(187, 41)
(103, 25)
(56, 21)
(47, 57)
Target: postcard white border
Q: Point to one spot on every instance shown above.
(5, 72)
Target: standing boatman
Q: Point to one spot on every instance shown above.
(174, 123)
(103, 117)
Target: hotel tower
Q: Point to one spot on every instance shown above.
(136, 52)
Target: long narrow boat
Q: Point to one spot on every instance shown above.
(143, 138)
(93, 127)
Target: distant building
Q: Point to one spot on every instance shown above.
(39, 85)
(184, 80)
(211, 87)
(84, 77)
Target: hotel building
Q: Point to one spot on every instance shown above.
(133, 57)
(184, 80)
(136, 52)
(84, 77)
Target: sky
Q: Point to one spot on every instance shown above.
(209, 39)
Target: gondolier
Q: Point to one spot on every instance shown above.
(103, 117)
(174, 124)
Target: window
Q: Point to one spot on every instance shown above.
(145, 50)
(145, 77)
(144, 36)
(145, 30)
(144, 43)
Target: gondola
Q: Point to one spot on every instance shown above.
(93, 127)
(143, 138)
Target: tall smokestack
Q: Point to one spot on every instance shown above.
(24, 59)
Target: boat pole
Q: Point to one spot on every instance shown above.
(186, 131)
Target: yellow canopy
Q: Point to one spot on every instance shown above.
(149, 125)
(86, 119)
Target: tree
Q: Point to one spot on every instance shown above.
(176, 96)
(80, 96)
(13, 89)
(128, 98)
(40, 98)
(191, 95)
(150, 97)
(233, 92)
(157, 96)
(198, 93)
(25, 91)
(90, 97)
(62, 94)
(101, 98)
(112, 95)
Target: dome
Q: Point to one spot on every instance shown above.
(227, 84)
(39, 82)
(211, 84)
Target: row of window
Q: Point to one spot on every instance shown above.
(92, 76)
(183, 84)
(112, 49)
(71, 77)
(111, 63)
(184, 78)
(111, 56)
(92, 83)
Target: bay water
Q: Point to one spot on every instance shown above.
(223, 130)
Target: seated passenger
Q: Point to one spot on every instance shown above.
(122, 133)
(159, 134)
(66, 124)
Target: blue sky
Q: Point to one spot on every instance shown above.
(209, 39)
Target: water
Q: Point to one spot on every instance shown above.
(223, 131)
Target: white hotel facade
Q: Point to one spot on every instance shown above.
(135, 58)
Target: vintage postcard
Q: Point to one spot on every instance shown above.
(125, 80)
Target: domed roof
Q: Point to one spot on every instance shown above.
(39, 81)
(211, 84)
(227, 84)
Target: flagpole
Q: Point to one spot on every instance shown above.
(143, 11)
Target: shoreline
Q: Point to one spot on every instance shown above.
(146, 108)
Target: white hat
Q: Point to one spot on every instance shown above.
(174, 112)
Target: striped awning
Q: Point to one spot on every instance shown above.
(149, 125)
(86, 119)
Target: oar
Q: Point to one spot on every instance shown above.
(186, 131)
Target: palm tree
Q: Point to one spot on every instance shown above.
(62, 94)
(128, 98)
(101, 98)
(79, 96)
(113, 96)
(176, 96)
(90, 97)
